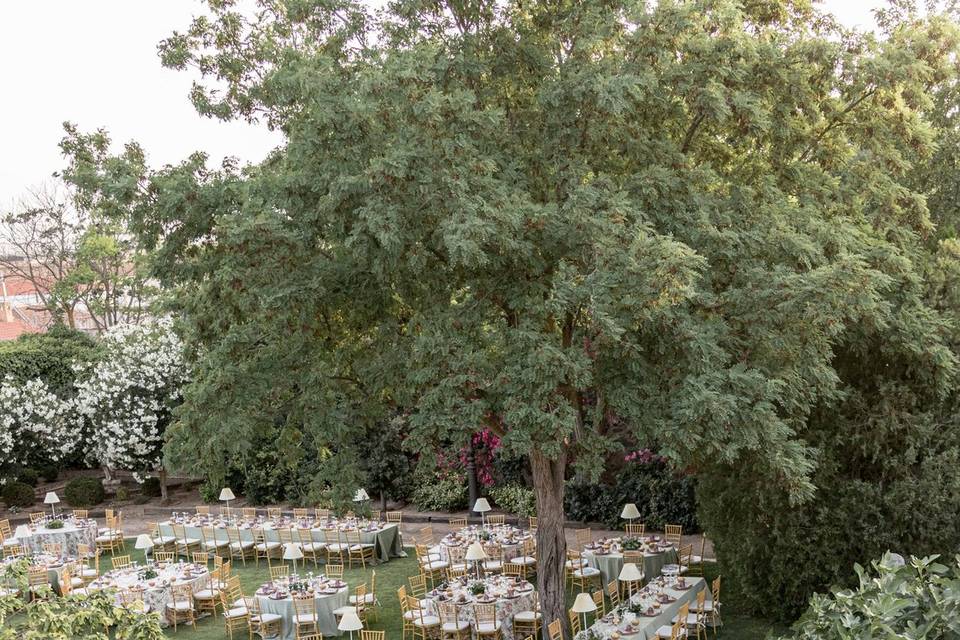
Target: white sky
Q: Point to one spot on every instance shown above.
(95, 63)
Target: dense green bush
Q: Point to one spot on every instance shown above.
(896, 600)
(436, 492)
(514, 498)
(48, 356)
(28, 476)
(84, 492)
(209, 492)
(50, 472)
(18, 494)
(661, 497)
(150, 487)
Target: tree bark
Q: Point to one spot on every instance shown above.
(551, 542)
(162, 476)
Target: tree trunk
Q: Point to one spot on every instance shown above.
(471, 468)
(162, 477)
(551, 542)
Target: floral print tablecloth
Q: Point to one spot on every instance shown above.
(71, 535)
(509, 595)
(156, 591)
(509, 538)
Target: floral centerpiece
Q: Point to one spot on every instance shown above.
(477, 588)
(631, 543)
(55, 524)
(147, 573)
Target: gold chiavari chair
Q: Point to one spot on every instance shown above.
(279, 571)
(202, 510)
(240, 548)
(485, 623)
(321, 514)
(213, 545)
(111, 537)
(338, 551)
(266, 549)
(300, 514)
(358, 604)
(273, 513)
(15, 551)
(418, 587)
(179, 609)
(527, 623)
(451, 626)
(575, 626)
(312, 549)
(676, 630)
(248, 513)
(53, 548)
(532, 523)
(80, 514)
(333, 571)
(207, 599)
(600, 603)
(367, 634)
(613, 593)
(396, 517)
(512, 570)
(234, 618)
(164, 556)
(496, 520)
(133, 601)
(697, 560)
(370, 601)
(583, 537)
(457, 559)
(265, 625)
(636, 530)
(200, 557)
(423, 625)
(710, 609)
(161, 542)
(358, 549)
(683, 558)
(494, 561)
(696, 618)
(186, 545)
(120, 562)
(458, 523)
(528, 558)
(6, 535)
(36, 516)
(88, 563)
(674, 534)
(431, 569)
(38, 583)
(305, 615)
(584, 576)
(555, 630)
(406, 614)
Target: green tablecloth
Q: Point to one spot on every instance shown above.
(325, 604)
(611, 563)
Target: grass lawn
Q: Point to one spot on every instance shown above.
(394, 573)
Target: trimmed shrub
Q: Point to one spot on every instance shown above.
(661, 497)
(18, 494)
(432, 492)
(515, 499)
(48, 356)
(29, 476)
(50, 472)
(150, 487)
(209, 493)
(84, 492)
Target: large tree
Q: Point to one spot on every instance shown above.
(533, 217)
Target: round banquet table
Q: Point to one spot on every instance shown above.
(55, 567)
(156, 591)
(71, 535)
(507, 605)
(509, 538)
(325, 603)
(611, 563)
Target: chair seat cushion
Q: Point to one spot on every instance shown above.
(426, 621)
(492, 565)
(527, 616)
(163, 541)
(104, 538)
(573, 564)
(264, 546)
(239, 546)
(89, 573)
(435, 566)
(367, 599)
(305, 617)
(488, 627)
(361, 546)
(691, 619)
(665, 632)
(314, 546)
(236, 612)
(180, 605)
(342, 611)
(267, 618)
(215, 544)
(707, 606)
(76, 582)
(524, 560)
(587, 572)
(206, 594)
(459, 625)
(337, 547)
(189, 542)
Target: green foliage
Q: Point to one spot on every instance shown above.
(84, 492)
(661, 497)
(151, 487)
(18, 494)
(433, 491)
(384, 463)
(28, 476)
(916, 600)
(48, 356)
(514, 498)
(50, 472)
(209, 492)
(55, 524)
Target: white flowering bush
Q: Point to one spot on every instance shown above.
(126, 396)
(35, 423)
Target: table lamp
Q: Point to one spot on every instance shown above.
(481, 506)
(52, 500)
(350, 622)
(226, 495)
(630, 512)
(22, 533)
(630, 574)
(583, 605)
(292, 551)
(143, 543)
(475, 553)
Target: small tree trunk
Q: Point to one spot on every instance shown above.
(162, 477)
(551, 542)
(383, 502)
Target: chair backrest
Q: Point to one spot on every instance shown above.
(460, 523)
(485, 613)
(285, 536)
(80, 514)
(273, 512)
(334, 571)
(413, 604)
(322, 514)
(182, 593)
(613, 592)
(574, 622)
(304, 604)
(402, 598)
(248, 512)
(512, 569)
(425, 535)
(37, 576)
(395, 516)
(497, 519)
(353, 536)
(634, 556)
(366, 634)
(300, 513)
(53, 548)
(279, 571)
(599, 601)
(119, 562)
(164, 556)
(685, 554)
(448, 613)
(199, 557)
(674, 534)
(532, 522)
(360, 595)
(715, 588)
(418, 585)
(583, 536)
(703, 546)
(202, 510)
(679, 628)
(555, 630)
(15, 550)
(636, 529)
(36, 516)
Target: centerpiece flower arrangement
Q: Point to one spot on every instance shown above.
(477, 588)
(298, 587)
(55, 524)
(631, 543)
(485, 535)
(147, 573)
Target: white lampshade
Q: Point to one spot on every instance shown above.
(481, 505)
(292, 551)
(23, 531)
(630, 573)
(475, 552)
(51, 498)
(583, 604)
(143, 542)
(630, 512)
(227, 494)
(361, 495)
(350, 622)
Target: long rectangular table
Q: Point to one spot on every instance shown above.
(648, 625)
